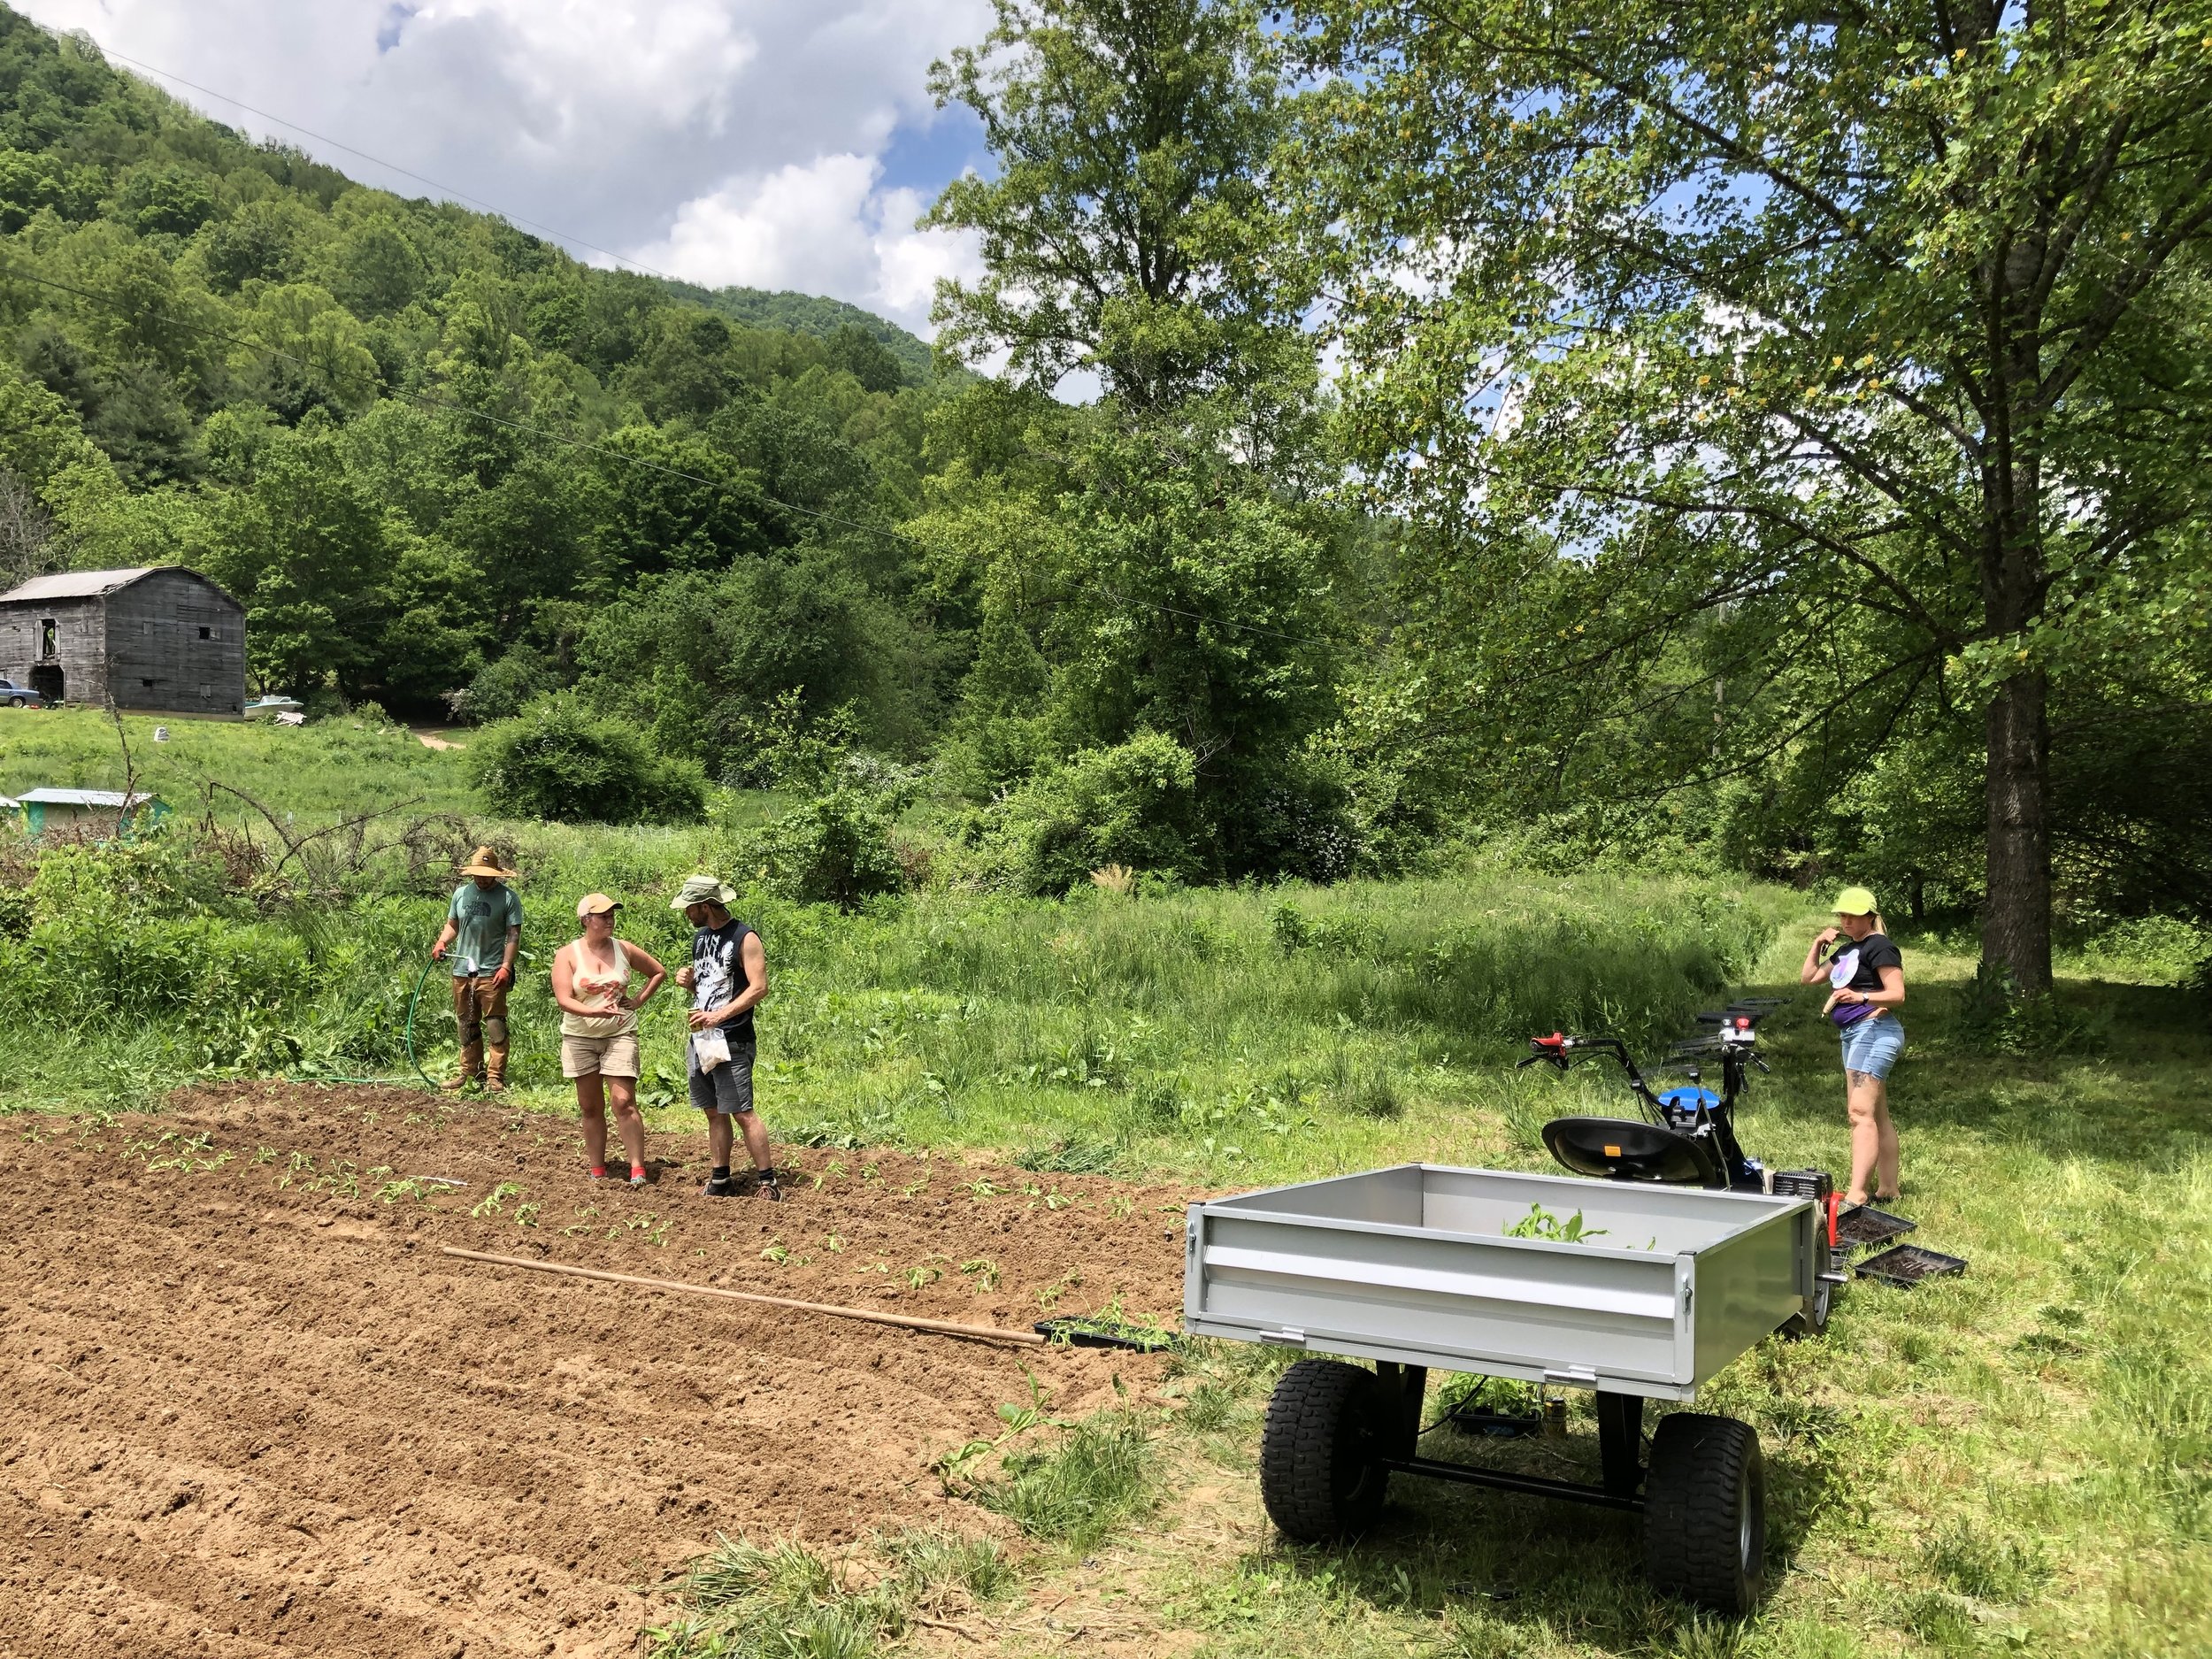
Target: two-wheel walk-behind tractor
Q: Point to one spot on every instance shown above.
(1639, 1287)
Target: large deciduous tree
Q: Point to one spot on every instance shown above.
(1782, 378)
(1132, 137)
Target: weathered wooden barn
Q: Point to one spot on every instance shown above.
(166, 641)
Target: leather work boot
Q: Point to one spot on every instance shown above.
(494, 1067)
(472, 1063)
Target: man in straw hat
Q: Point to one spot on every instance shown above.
(728, 975)
(483, 928)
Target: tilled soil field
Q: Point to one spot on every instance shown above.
(249, 1408)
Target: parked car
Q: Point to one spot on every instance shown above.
(15, 696)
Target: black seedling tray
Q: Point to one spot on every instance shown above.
(1908, 1264)
(1495, 1424)
(1862, 1226)
(1087, 1334)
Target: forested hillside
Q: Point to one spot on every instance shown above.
(447, 467)
(1751, 544)
(367, 416)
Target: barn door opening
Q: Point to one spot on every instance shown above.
(46, 680)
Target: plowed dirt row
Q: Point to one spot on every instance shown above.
(250, 1409)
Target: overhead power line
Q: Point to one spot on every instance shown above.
(324, 138)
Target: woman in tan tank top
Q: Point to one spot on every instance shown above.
(599, 1023)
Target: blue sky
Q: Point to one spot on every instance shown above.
(775, 143)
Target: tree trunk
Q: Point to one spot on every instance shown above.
(2016, 914)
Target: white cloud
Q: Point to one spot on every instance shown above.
(825, 227)
(745, 139)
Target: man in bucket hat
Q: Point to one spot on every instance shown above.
(483, 928)
(728, 975)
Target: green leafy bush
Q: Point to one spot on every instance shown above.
(1133, 804)
(836, 849)
(558, 760)
(504, 687)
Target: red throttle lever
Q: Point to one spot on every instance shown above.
(1552, 1049)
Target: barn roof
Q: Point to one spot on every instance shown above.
(92, 584)
(75, 584)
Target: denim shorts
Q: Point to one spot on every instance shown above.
(728, 1088)
(1873, 1044)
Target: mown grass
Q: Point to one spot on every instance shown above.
(332, 769)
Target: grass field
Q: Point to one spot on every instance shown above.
(2018, 1461)
(332, 769)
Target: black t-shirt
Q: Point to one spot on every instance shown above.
(718, 975)
(1875, 952)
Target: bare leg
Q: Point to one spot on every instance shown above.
(591, 1106)
(622, 1091)
(1886, 1144)
(756, 1139)
(1862, 1102)
(719, 1137)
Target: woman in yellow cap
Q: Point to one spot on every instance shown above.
(599, 1021)
(1868, 973)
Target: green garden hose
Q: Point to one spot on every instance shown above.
(407, 1038)
(407, 1035)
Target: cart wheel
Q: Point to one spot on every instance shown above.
(1813, 1321)
(1705, 1512)
(1318, 1474)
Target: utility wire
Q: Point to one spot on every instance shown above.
(322, 138)
(12, 273)
(515, 425)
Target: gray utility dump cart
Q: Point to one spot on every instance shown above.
(1412, 1267)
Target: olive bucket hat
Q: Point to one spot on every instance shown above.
(703, 890)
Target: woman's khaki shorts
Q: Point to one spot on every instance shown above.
(599, 1056)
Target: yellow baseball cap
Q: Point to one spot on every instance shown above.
(1855, 902)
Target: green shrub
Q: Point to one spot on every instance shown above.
(504, 687)
(559, 760)
(836, 849)
(1134, 804)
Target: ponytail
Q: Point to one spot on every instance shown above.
(1880, 927)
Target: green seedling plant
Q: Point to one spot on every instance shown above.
(494, 1202)
(1020, 1417)
(776, 1252)
(1539, 1222)
(925, 1273)
(983, 1272)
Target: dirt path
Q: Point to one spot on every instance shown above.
(251, 1410)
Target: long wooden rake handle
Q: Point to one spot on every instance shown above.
(907, 1321)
